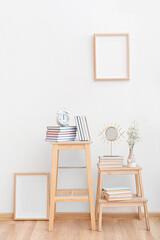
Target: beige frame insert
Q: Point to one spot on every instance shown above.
(127, 56)
(48, 192)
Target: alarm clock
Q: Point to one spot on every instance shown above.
(62, 118)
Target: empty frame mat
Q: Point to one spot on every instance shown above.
(111, 56)
(31, 196)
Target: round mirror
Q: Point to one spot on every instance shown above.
(111, 133)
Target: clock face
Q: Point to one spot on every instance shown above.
(63, 119)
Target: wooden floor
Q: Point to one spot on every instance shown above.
(112, 229)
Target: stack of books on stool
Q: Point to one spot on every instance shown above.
(61, 134)
(110, 161)
(117, 194)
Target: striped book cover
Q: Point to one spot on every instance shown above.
(82, 128)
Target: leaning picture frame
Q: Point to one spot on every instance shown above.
(111, 56)
(31, 196)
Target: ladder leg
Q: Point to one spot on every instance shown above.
(145, 203)
(97, 194)
(100, 186)
(138, 194)
(90, 185)
(146, 216)
(100, 217)
(53, 186)
(141, 183)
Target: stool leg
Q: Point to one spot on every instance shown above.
(146, 216)
(90, 185)
(138, 194)
(53, 186)
(56, 183)
(100, 218)
(141, 184)
(100, 184)
(97, 195)
(100, 187)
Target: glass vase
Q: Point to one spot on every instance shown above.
(131, 159)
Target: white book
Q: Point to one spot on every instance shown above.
(89, 137)
(116, 189)
(83, 133)
(78, 128)
(84, 128)
(111, 157)
(110, 163)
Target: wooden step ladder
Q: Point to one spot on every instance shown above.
(138, 199)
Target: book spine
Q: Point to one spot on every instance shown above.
(61, 131)
(78, 120)
(111, 159)
(109, 166)
(57, 140)
(83, 133)
(89, 137)
(78, 129)
(110, 162)
(84, 128)
(117, 199)
(55, 137)
(122, 194)
(61, 134)
(117, 190)
(80, 124)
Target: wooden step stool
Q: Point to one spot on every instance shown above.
(84, 145)
(138, 199)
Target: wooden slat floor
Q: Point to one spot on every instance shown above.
(112, 229)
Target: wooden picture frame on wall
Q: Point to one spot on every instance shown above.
(111, 56)
(31, 196)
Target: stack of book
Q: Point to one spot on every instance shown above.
(117, 194)
(60, 134)
(82, 128)
(110, 161)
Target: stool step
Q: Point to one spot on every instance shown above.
(135, 201)
(72, 191)
(72, 199)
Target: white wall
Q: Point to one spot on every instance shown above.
(46, 62)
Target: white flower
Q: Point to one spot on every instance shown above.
(133, 135)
